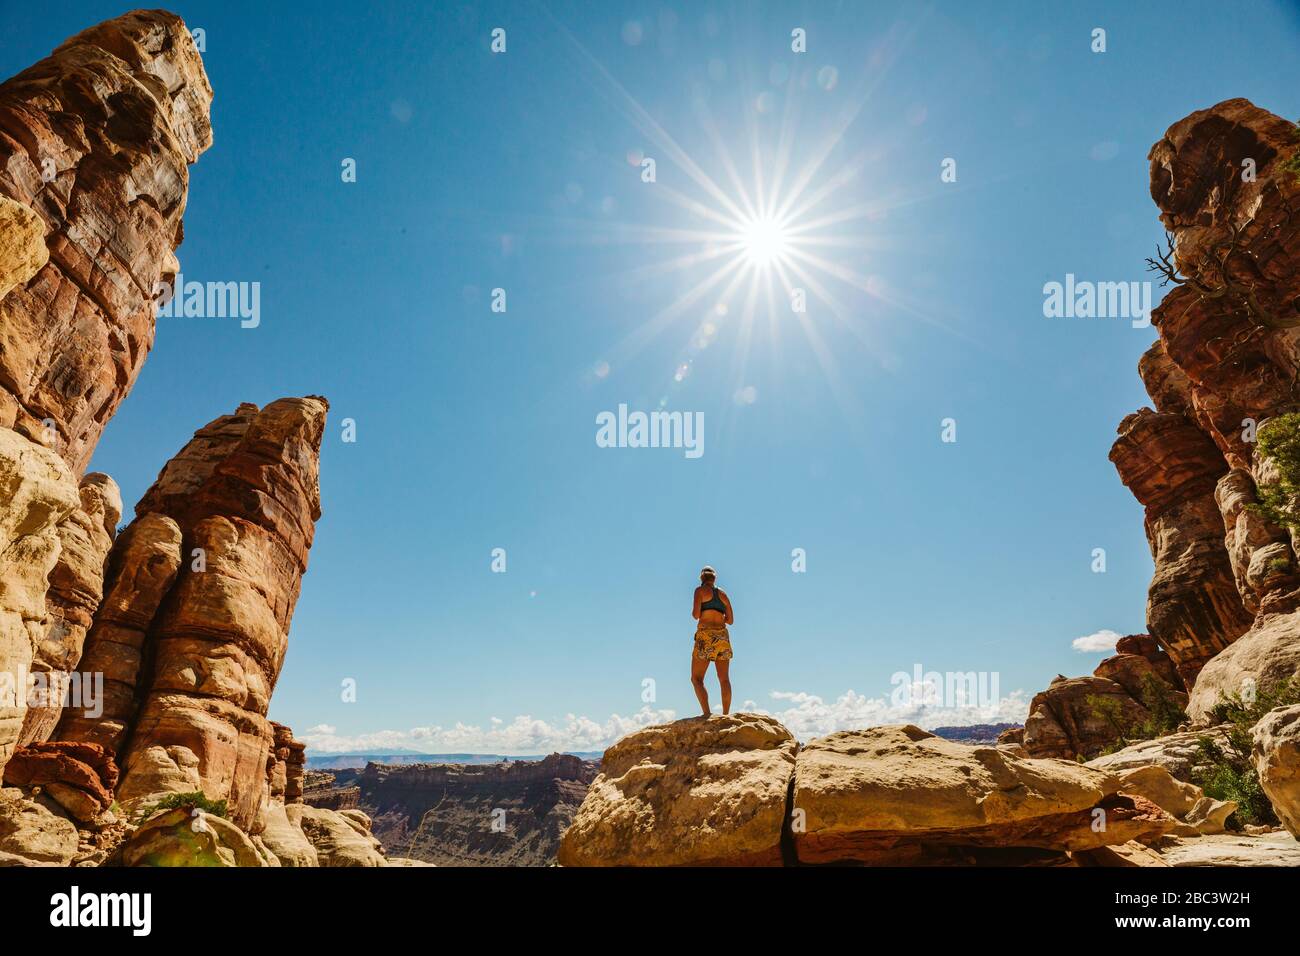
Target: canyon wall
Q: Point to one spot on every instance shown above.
(95, 144)
(184, 615)
(1226, 588)
(504, 814)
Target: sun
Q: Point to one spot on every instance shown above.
(764, 241)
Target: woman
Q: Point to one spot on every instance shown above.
(712, 609)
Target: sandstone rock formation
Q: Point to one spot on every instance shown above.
(244, 496)
(76, 587)
(1272, 849)
(1194, 608)
(95, 142)
(737, 790)
(697, 792)
(1078, 717)
(900, 795)
(339, 840)
(37, 493)
(141, 570)
(502, 814)
(190, 837)
(1179, 753)
(80, 777)
(1276, 755)
(1225, 592)
(22, 244)
(280, 821)
(32, 835)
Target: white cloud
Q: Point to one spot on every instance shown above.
(1100, 642)
(807, 716)
(523, 735)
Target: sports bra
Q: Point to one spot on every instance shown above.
(714, 603)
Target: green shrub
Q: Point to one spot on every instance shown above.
(1279, 440)
(1164, 715)
(1227, 771)
(195, 800)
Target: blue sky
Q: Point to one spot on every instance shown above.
(476, 430)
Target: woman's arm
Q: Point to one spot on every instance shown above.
(730, 618)
(695, 608)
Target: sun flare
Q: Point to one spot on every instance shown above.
(764, 241)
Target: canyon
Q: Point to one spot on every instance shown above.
(508, 813)
(183, 614)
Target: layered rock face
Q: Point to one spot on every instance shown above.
(1224, 596)
(504, 814)
(37, 493)
(76, 588)
(1078, 717)
(95, 142)
(698, 792)
(279, 826)
(202, 653)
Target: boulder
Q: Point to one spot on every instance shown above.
(338, 840)
(32, 835)
(190, 837)
(1210, 816)
(285, 839)
(900, 795)
(1276, 755)
(1158, 785)
(696, 792)
(1268, 654)
(1179, 753)
(80, 777)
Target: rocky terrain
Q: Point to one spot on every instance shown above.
(510, 813)
(740, 791)
(185, 615)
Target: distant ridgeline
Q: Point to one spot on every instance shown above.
(359, 760)
(974, 733)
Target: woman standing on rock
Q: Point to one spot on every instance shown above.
(712, 609)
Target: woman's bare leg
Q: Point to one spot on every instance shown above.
(698, 670)
(724, 678)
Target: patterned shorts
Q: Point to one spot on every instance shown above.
(712, 644)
